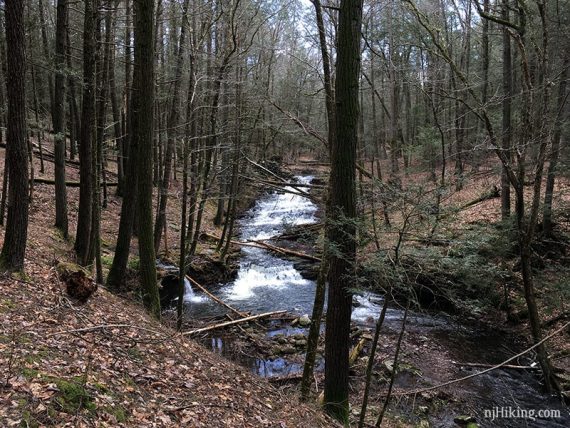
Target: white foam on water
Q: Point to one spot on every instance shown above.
(366, 310)
(271, 215)
(255, 276)
(190, 296)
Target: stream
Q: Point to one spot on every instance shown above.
(266, 282)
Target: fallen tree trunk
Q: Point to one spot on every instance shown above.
(492, 193)
(356, 351)
(67, 183)
(266, 246)
(214, 298)
(313, 163)
(230, 323)
(281, 188)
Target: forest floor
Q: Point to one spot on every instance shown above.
(106, 363)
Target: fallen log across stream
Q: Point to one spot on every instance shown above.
(230, 323)
(266, 246)
(214, 298)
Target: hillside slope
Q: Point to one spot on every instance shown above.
(106, 363)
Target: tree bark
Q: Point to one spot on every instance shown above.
(320, 291)
(555, 149)
(14, 248)
(506, 121)
(84, 222)
(58, 118)
(143, 102)
(342, 233)
(172, 124)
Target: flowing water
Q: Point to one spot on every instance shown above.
(266, 282)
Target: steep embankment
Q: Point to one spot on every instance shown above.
(106, 363)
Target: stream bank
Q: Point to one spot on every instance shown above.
(436, 347)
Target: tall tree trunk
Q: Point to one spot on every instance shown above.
(14, 248)
(329, 91)
(126, 110)
(143, 93)
(506, 123)
(127, 220)
(116, 112)
(555, 149)
(342, 232)
(72, 100)
(84, 221)
(234, 182)
(172, 125)
(58, 118)
(461, 108)
(46, 49)
(40, 132)
(320, 291)
(182, 259)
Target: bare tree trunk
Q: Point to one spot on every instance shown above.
(342, 232)
(72, 100)
(116, 110)
(143, 102)
(320, 290)
(182, 260)
(84, 222)
(506, 131)
(58, 117)
(45, 45)
(370, 364)
(172, 124)
(555, 149)
(14, 247)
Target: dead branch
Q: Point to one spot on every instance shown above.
(214, 298)
(506, 366)
(230, 323)
(495, 367)
(266, 246)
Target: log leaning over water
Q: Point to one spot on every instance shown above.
(214, 298)
(266, 246)
(230, 323)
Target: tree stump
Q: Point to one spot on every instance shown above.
(79, 284)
